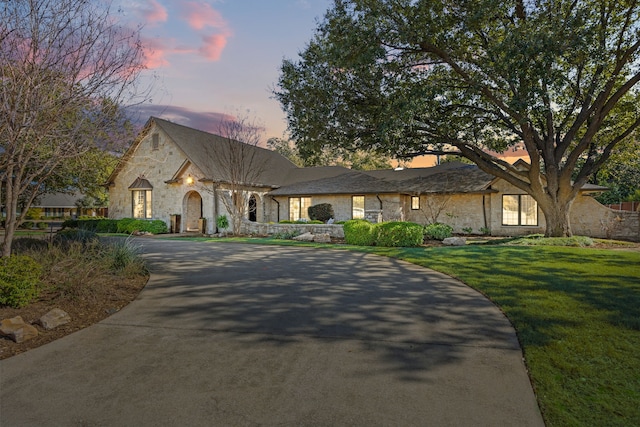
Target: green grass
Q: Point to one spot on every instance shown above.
(576, 312)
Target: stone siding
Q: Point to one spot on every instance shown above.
(266, 229)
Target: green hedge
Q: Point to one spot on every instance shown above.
(19, 280)
(125, 225)
(398, 234)
(437, 231)
(359, 232)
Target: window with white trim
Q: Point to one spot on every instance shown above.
(141, 204)
(519, 209)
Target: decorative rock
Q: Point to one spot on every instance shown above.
(455, 241)
(54, 318)
(16, 329)
(322, 238)
(306, 237)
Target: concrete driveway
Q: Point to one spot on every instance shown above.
(243, 335)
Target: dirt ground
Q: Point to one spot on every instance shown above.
(83, 312)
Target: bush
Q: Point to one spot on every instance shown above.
(398, 234)
(359, 232)
(75, 235)
(222, 222)
(321, 212)
(124, 256)
(19, 280)
(28, 244)
(33, 213)
(437, 231)
(41, 225)
(27, 225)
(70, 223)
(285, 221)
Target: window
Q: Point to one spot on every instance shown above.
(299, 208)
(141, 203)
(155, 141)
(519, 209)
(357, 207)
(415, 203)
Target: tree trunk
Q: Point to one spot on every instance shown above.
(556, 215)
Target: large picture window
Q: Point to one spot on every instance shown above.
(357, 207)
(141, 203)
(299, 208)
(519, 209)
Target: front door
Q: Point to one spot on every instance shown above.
(193, 207)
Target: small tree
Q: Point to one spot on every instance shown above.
(240, 163)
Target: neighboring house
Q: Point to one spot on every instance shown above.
(172, 171)
(61, 205)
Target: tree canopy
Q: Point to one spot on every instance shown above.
(410, 77)
(66, 68)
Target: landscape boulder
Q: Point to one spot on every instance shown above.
(455, 241)
(322, 238)
(17, 330)
(306, 237)
(54, 318)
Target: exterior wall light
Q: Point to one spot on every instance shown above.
(189, 180)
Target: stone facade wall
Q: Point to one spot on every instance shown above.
(458, 210)
(267, 229)
(590, 218)
(179, 198)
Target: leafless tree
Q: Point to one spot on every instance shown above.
(66, 68)
(240, 164)
(434, 206)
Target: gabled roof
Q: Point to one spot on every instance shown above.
(211, 153)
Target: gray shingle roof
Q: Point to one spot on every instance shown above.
(448, 178)
(212, 153)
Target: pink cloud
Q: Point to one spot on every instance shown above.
(155, 52)
(154, 12)
(213, 46)
(202, 15)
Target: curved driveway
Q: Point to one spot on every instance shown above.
(243, 335)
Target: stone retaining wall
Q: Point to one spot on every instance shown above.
(334, 230)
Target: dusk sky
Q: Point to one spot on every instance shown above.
(217, 57)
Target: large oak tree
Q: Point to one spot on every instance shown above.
(409, 77)
(66, 67)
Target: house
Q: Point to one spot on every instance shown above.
(179, 175)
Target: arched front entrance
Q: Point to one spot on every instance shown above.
(192, 210)
(253, 208)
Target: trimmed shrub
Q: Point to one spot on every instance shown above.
(398, 234)
(41, 225)
(27, 244)
(131, 225)
(437, 231)
(19, 280)
(70, 223)
(106, 226)
(285, 221)
(75, 235)
(27, 225)
(321, 212)
(359, 232)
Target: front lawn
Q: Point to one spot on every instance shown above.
(577, 315)
(576, 312)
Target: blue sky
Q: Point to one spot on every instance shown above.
(212, 58)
